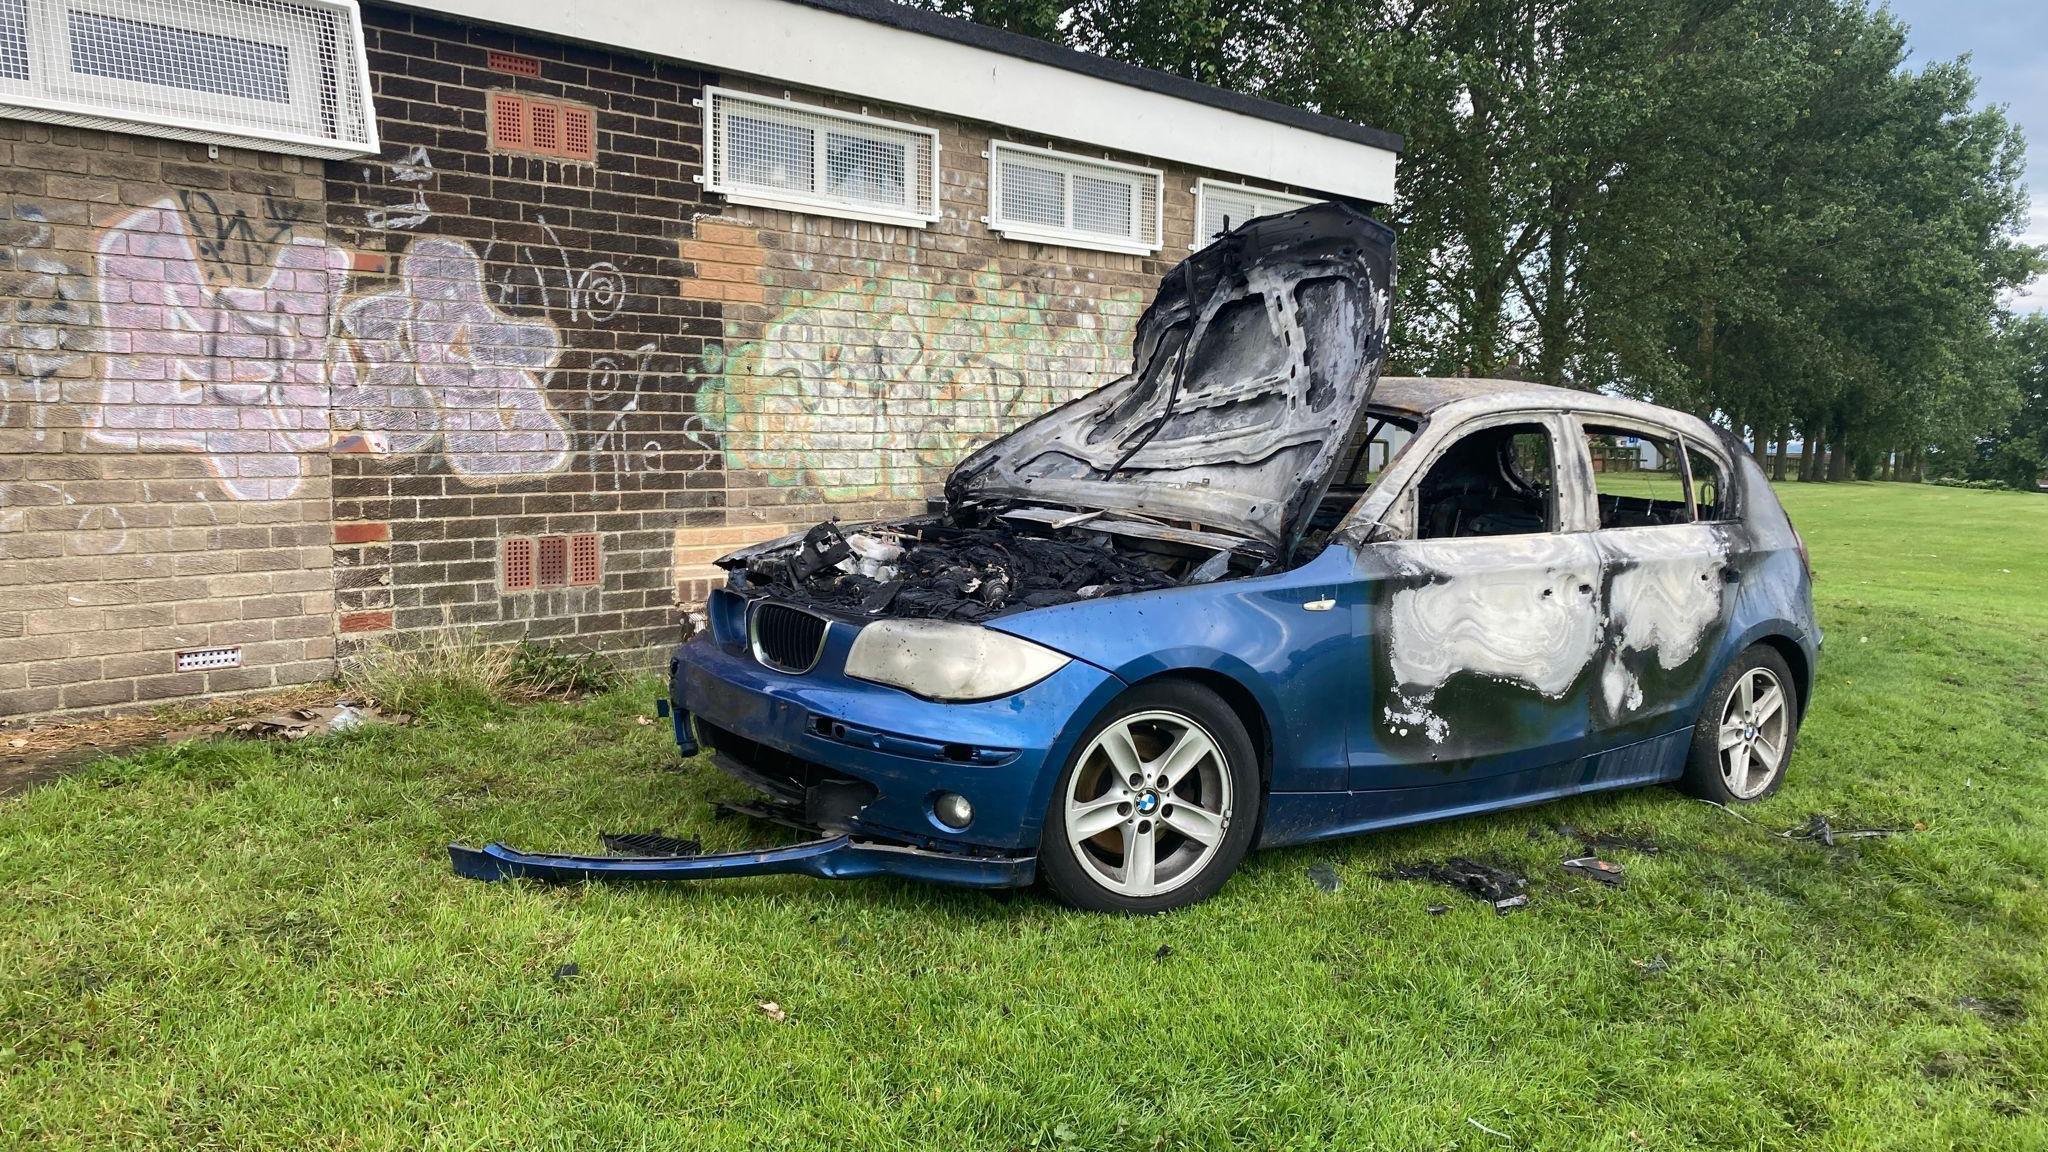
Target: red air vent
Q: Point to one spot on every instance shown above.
(515, 562)
(514, 63)
(527, 563)
(583, 559)
(542, 134)
(579, 133)
(551, 566)
(508, 122)
(536, 127)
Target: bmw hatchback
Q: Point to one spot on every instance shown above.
(1252, 594)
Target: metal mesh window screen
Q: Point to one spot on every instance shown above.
(1105, 206)
(284, 75)
(794, 155)
(1033, 195)
(1225, 206)
(1049, 196)
(13, 39)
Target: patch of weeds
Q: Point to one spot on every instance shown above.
(450, 671)
(542, 670)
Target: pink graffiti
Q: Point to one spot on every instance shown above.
(237, 372)
(254, 376)
(439, 359)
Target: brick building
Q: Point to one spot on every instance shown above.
(323, 327)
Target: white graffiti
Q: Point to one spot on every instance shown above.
(238, 371)
(411, 171)
(546, 276)
(885, 384)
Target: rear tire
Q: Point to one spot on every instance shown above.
(1156, 806)
(1742, 741)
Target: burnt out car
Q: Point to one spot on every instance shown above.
(1252, 594)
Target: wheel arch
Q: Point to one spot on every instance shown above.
(1795, 659)
(1241, 702)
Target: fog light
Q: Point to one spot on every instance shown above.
(953, 810)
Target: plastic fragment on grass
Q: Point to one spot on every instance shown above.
(1324, 877)
(1606, 872)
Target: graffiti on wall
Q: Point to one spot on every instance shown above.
(435, 360)
(236, 338)
(875, 389)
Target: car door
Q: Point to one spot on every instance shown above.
(1478, 618)
(1665, 575)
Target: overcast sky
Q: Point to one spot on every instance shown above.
(2007, 41)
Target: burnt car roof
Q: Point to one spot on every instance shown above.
(1424, 395)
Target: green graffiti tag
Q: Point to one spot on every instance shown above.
(875, 389)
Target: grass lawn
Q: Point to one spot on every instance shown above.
(246, 945)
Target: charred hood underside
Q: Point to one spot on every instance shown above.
(1250, 370)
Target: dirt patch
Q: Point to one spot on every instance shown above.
(36, 753)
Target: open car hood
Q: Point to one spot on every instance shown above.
(1289, 318)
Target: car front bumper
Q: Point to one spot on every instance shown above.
(869, 760)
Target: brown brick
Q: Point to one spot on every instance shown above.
(365, 621)
(361, 532)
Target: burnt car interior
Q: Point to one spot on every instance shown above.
(1637, 479)
(1493, 482)
(1210, 460)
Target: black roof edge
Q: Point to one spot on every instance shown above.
(1102, 68)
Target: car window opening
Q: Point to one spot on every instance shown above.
(1498, 481)
(1638, 478)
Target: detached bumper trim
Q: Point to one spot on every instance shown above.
(832, 858)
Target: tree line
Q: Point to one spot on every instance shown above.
(1754, 210)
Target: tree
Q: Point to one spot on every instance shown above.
(2016, 455)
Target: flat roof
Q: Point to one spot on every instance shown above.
(881, 51)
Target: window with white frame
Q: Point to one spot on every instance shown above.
(1220, 207)
(1056, 198)
(282, 75)
(781, 154)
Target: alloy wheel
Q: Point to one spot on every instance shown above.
(1756, 729)
(1149, 803)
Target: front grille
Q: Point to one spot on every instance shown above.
(787, 639)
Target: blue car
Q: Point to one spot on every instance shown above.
(1252, 594)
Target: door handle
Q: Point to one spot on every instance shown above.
(1323, 605)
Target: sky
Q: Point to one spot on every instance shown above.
(2007, 41)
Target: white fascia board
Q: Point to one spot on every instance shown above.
(829, 52)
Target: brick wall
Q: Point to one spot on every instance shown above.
(300, 407)
(162, 332)
(526, 355)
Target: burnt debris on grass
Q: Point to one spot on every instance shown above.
(1497, 886)
(1605, 871)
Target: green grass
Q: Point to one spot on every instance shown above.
(260, 946)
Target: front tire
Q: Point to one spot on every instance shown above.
(1157, 805)
(1745, 732)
